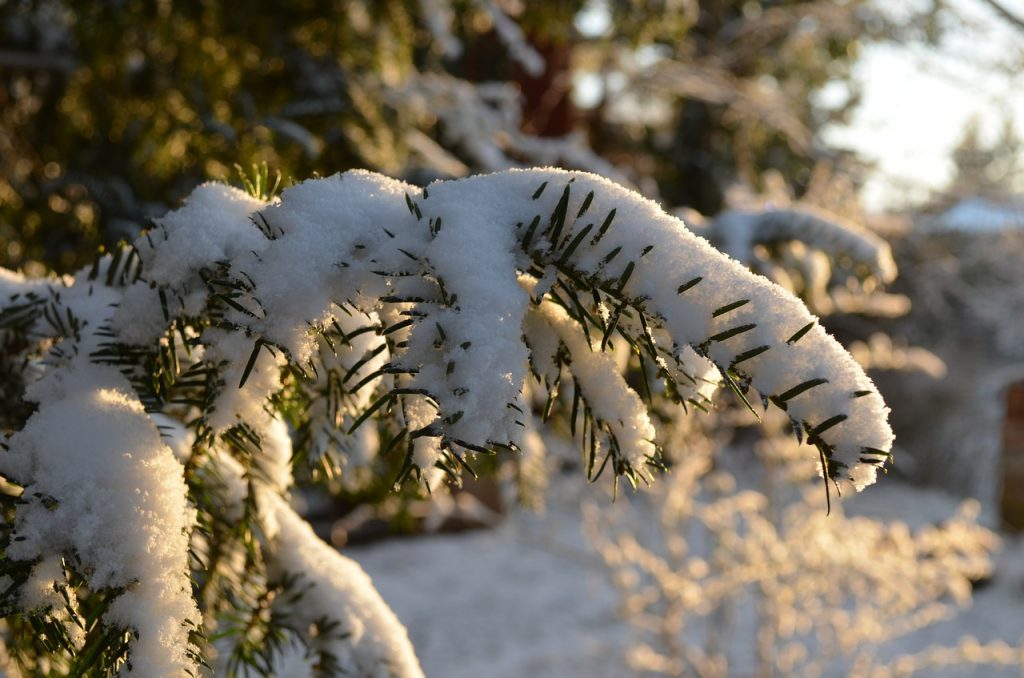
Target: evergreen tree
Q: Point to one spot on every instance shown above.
(410, 331)
(367, 329)
(987, 170)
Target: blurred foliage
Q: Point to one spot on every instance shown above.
(989, 170)
(111, 111)
(734, 88)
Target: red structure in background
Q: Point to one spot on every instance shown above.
(547, 109)
(547, 104)
(1011, 503)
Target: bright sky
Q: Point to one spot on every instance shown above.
(917, 102)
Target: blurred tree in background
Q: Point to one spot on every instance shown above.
(111, 111)
(986, 170)
(736, 95)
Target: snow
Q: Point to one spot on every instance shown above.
(327, 587)
(234, 405)
(212, 226)
(91, 438)
(978, 215)
(603, 385)
(15, 283)
(441, 280)
(42, 592)
(522, 600)
(694, 316)
(737, 232)
(482, 121)
(353, 453)
(529, 598)
(330, 236)
(439, 17)
(833, 264)
(370, 641)
(333, 235)
(472, 255)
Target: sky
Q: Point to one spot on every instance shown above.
(917, 102)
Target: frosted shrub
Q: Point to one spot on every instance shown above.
(971, 275)
(743, 575)
(175, 390)
(742, 572)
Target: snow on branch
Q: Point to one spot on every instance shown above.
(483, 122)
(104, 500)
(439, 16)
(815, 254)
(382, 320)
(739, 232)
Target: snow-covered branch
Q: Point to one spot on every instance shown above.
(832, 264)
(360, 303)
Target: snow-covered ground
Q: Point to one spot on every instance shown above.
(531, 599)
(525, 599)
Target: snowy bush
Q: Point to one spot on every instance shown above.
(386, 329)
(731, 571)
